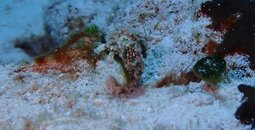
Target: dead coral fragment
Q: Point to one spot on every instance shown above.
(210, 68)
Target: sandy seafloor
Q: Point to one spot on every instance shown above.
(53, 101)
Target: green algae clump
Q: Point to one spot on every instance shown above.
(210, 68)
(92, 30)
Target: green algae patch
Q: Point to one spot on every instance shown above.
(210, 68)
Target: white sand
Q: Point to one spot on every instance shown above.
(55, 101)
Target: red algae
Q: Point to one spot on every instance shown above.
(78, 47)
(114, 89)
(235, 19)
(183, 79)
(224, 25)
(210, 48)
